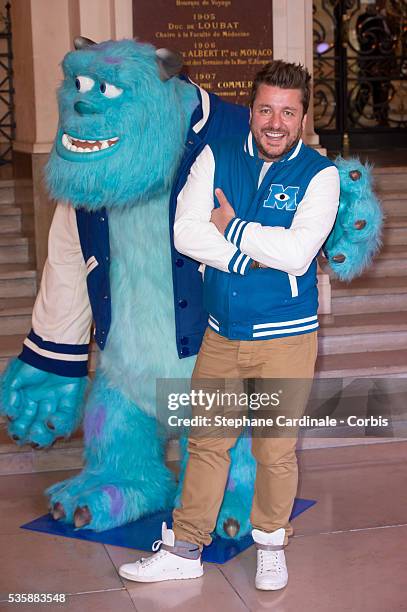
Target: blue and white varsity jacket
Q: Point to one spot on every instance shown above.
(75, 286)
(284, 213)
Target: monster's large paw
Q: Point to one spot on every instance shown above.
(234, 516)
(40, 406)
(355, 237)
(95, 502)
(63, 495)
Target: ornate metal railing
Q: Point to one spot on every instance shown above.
(7, 124)
(360, 66)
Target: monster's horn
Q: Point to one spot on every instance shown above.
(169, 63)
(80, 42)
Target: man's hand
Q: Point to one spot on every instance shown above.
(222, 216)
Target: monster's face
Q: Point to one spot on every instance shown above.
(77, 145)
(121, 128)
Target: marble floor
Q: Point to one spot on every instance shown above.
(348, 553)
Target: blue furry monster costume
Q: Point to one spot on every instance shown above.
(120, 158)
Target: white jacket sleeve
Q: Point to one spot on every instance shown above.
(194, 234)
(292, 250)
(59, 339)
(62, 312)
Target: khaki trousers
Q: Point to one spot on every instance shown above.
(209, 462)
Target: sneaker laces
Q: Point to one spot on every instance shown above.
(270, 561)
(158, 554)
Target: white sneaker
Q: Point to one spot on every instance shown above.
(166, 565)
(271, 572)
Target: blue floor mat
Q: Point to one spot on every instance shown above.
(141, 534)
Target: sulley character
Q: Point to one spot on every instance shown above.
(129, 131)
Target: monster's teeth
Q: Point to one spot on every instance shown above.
(71, 143)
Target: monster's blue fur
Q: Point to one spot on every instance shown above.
(151, 119)
(140, 350)
(129, 455)
(357, 201)
(141, 344)
(134, 183)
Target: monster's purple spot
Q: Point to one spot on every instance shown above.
(116, 499)
(112, 60)
(231, 484)
(94, 422)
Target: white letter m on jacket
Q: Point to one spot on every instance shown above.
(282, 198)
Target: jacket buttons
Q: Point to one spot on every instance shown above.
(101, 218)
(185, 351)
(234, 293)
(103, 332)
(179, 262)
(184, 340)
(182, 303)
(105, 297)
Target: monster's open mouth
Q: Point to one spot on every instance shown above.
(78, 145)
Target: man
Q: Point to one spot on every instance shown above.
(277, 204)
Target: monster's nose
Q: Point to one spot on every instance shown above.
(86, 108)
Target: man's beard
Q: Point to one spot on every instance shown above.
(290, 145)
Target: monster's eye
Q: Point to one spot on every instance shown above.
(84, 83)
(283, 197)
(110, 91)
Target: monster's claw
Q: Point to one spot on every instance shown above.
(355, 175)
(231, 526)
(34, 445)
(82, 517)
(50, 425)
(16, 438)
(9, 418)
(58, 511)
(340, 258)
(360, 224)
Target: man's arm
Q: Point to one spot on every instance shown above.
(291, 250)
(194, 234)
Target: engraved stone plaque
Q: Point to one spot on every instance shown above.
(223, 42)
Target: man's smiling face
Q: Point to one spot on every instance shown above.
(276, 120)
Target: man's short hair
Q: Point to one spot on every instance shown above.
(286, 76)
